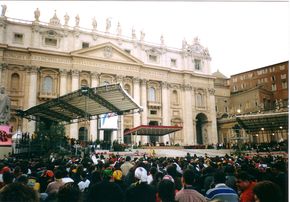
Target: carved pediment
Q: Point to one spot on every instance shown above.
(107, 51)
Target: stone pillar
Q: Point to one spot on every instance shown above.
(144, 114)
(74, 86)
(63, 82)
(34, 41)
(94, 123)
(165, 110)
(136, 95)
(212, 132)
(187, 114)
(32, 95)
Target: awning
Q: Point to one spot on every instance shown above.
(84, 104)
(269, 121)
(152, 130)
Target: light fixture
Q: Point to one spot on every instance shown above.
(256, 135)
(281, 127)
(273, 134)
(262, 129)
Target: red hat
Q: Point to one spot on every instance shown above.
(49, 173)
(5, 169)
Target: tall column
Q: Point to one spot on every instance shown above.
(187, 114)
(32, 95)
(74, 86)
(63, 82)
(165, 109)
(144, 114)
(213, 137)
(120, 134)
(136, 95)
(94, 122)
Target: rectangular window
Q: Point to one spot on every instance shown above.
(18, 38)
(85, 45)
(235, 79)
(273, 78)
(274, 88)
(173, 62)
(283, 76)
(153, 112)
(284, 84)
(50, 42)
(152, 58)
(282, 67)
(197, 64)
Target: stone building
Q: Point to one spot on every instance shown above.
(255, 101)
(40, 61)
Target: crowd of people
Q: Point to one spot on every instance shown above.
(100, 177)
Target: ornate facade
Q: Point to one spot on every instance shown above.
(40, 61)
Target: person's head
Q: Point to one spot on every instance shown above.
(69, 192)
(128, 158)
(166, 190)
(18, 192)
(188, 177)
(141, 174)
(7, 177)
(267, 191)
(219, 177)
(117, 175)
(243, 180)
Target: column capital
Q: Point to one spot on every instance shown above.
(119, 78)
(164, 84)
(95, 75)
(186, 87)
(3, 65)
(33, 69)
(136, 80)
(75, 72)
(211, 91)
(63, 72)
(144, 81)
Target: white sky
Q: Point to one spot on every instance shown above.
(240, 36)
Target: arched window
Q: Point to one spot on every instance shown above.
(174, 97)
(15, 78)
(84, 83)
(152, 94)
(47, 86)
(127, 88)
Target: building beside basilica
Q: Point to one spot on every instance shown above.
(41, 61)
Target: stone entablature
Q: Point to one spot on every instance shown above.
(63, 38)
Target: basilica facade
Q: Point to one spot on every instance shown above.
(44, 60)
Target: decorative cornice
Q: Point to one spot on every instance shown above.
(186, 87)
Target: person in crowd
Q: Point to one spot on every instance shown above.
(166, 190)
(125, 167)
(221, 190)
(53, 187)
(106, 190)
(140, 190)
(69, 192)
(8, 178)
(171, 170)
(245, 185)
(84, 183)
(117, 178)
(18, 192)
(267, 191)
(188, 193)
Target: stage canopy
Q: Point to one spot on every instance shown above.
(84, 104)
(152, 130)
(270, 121)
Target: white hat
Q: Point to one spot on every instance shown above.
(141, 174)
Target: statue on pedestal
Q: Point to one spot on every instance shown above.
(36, 14)
(77, 20)
(4, 8)
(108, 25)
(66, 19)
(4, 107)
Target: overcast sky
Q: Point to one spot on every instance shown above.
(240, 36)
